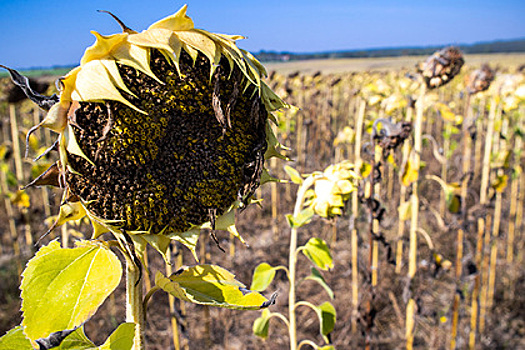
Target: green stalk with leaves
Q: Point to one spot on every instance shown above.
(322, 194)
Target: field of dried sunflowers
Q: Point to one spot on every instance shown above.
(424, 247)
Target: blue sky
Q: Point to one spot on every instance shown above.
(46, 33)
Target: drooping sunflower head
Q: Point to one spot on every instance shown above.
(480, 79)
(163, 131)
(441, 67)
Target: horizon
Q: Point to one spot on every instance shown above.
(63, 29)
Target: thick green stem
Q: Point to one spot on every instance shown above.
(134, 305)
(292, 260)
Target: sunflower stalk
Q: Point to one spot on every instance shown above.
(402, 200)
(466, 176)
(484, 227)
(414, 203)
(361, 108)
(292, 260)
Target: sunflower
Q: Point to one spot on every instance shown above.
(161, 133)
(441, 67)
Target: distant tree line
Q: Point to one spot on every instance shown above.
(502, 46)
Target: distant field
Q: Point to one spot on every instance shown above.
(338, 65)
(383, 63)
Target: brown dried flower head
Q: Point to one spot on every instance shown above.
(480, 79)
(441, 67)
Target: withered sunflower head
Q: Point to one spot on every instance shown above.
(480, 79)
(441, 67)
(162, 132)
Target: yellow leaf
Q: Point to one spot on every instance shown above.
(410, 175)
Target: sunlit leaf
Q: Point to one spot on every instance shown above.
(211, 285)
(262, 277)
(318, 252)
(304, 217)
(410, 174)
(15, 339)
(121, 338)
(294, 175)
(67, 286)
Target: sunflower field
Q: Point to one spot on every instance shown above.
(170, 193)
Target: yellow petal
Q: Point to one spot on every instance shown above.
(177, 21)
(95, 83)
(103, 46)
(71, 145)
(134, 56)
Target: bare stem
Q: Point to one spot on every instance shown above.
(134, 305)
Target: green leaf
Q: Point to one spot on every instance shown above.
(62, 288)
(211, 285)
(15, 339)
(76, 341)
(121, 338)
(318, 252)
(304, 217)
(262, 324)
(326, 347)
(294, 175)
(262, 277)
(317, 277)
(327, 316)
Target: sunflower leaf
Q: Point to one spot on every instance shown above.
(15, 339)
(262, 324)
(67, 286)
(262, 277)
(327, 316)
(318, 252)
(294, 175)
(317, 277)
(211, 285)
(121, 338)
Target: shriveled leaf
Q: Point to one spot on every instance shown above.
(211, 285)
(121, 338)
(15, 339)
(262, 277)
(327, 316)
(67, 286)
(404, 210)
(316, 276)
(453, 202)
(294, 175)
(262, 324)
(318, 252)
